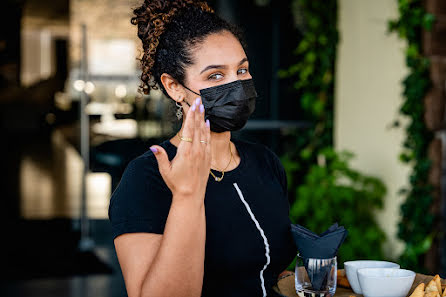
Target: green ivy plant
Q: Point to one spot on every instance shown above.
(416, 220)
(334, 192)
(313, 75)
(325, 188)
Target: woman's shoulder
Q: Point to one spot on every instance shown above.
(264, 158)
(143, 172)
(147, 160)
(140, 197)
(142, 163)
(257, 150)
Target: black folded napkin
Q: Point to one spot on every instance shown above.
(322, 246)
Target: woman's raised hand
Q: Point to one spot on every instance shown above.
(187, 174)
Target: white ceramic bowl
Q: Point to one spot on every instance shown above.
(385, 282)
(351, 268)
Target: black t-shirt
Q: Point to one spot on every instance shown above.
(248, 236)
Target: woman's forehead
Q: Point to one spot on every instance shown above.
(218, 49)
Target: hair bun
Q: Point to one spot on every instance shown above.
(152, 18)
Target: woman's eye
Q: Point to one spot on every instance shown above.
(215, 76)
(242, 71)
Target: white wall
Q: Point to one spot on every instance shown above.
(38, 56)
(370, 67)
(37, 51)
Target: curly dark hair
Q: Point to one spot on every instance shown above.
(169, 29)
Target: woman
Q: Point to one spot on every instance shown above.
(200, 214)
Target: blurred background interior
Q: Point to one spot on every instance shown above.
(351, 97)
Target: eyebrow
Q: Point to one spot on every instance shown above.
(222, 66)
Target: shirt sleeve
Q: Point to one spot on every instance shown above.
(141, 201)
(279, 170)
(281, 174)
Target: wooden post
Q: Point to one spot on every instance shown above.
(434, 47)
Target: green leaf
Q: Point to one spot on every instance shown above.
(428, 21)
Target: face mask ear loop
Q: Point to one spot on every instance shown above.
(190, 90)
(186, 102)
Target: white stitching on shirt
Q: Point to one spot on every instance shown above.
(265, 240)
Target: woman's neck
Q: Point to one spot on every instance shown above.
(220, 145)
(221, 153)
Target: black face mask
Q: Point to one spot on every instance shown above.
(228, 106)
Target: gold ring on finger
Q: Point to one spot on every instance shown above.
(187, 139)
(203, 141)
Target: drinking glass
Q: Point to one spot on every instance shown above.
(315, 277)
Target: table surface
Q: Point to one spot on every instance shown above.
(285, 286)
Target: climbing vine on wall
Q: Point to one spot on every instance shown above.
(313, 80)
(325, 187)
(416, 223)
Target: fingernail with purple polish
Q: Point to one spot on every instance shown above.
(193, 107)
(153, 149)
(197, 101)
(207, 123)
(201, 108)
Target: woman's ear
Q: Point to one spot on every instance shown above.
(172, 87)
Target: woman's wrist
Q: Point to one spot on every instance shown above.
(195, 199)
